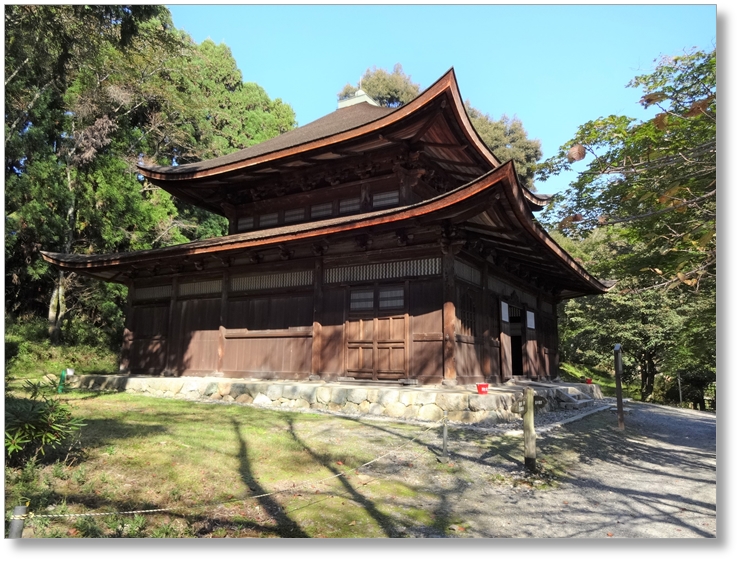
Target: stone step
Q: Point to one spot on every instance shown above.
(576, 405)
(370, 382)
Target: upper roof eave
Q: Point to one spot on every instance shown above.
(444, 86)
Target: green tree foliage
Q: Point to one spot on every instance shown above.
(656, 177)
(666, 333)
(508, 140)
(389, 89)
(506, 137)
(90, 92)
(643, 213)
(218, 113)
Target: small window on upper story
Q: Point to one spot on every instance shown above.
(295, 215)
(361, 300)
(321, 210)
(270, 219)
(390, 297)
(245, 223)
(350, 205)
(385, 199)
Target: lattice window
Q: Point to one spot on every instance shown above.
(295, 215)
(270, 219)
(515, 314)
(272, 281)
(504, 312)
(245, 223)
(145, 293)
(385, 199)
(199, 288)
(390, 297)
(467, 273)
(530, 320)
(351, 205)
(388, 270)
(360, 300)
(321, 210)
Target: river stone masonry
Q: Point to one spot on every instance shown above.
(463, 405)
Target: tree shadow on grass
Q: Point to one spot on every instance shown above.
(437, 497)
(285, 526)
(384, 521)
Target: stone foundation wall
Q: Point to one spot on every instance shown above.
(423, 404)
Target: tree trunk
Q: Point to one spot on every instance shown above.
(57, 308)
(647, 369)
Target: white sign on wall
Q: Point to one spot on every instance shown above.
(530, 320)
(504, 312)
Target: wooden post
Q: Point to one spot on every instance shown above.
(16, 525)
(449, 318)
(618, 378)
(318, 316)
(530, 438)
(445, 457)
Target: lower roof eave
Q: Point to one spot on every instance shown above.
(457, 206)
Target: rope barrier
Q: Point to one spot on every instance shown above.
(300, 486)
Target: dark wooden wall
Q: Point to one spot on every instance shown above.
(268, 335)
(285, 334)
(194, 346)
(145, 344)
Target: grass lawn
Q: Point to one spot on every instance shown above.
(607, 382)
(218, 470)
(212, 469)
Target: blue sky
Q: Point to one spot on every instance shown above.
(553, 66)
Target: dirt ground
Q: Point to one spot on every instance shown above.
(657, 479)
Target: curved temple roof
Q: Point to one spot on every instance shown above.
(435, 121)
(498, 188)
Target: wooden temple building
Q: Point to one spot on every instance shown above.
(373, 244)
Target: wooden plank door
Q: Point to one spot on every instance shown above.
(361, 348)
(390, 339)
(376, 348)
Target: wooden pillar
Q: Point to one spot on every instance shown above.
(318, 307)
(555, 340)
(366, 203)
(222, 321)
(407, 181)
(124, 366)
(505, 339)
(533, 346)
(230, 212)
(172, 340)
(449, 318)
(487, 348)
(527, 365)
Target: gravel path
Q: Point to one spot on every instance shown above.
(657, 479)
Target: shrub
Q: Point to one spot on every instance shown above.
(39, 427)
